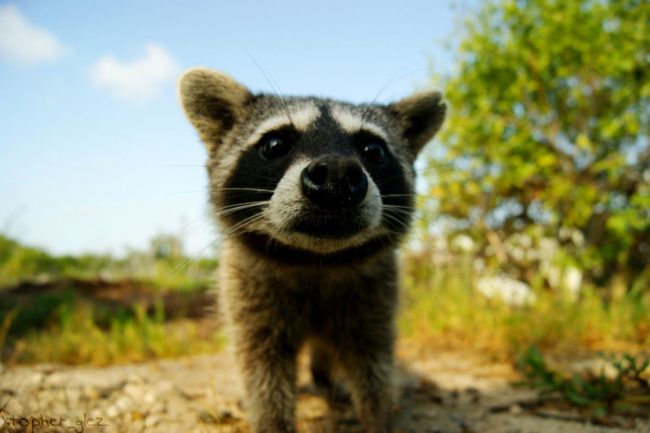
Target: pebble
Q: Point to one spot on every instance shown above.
(134, 391)
(90, 393)
(72, 395)
(151, 421)
(123, 403)
(34, 378)
(149, 397)
(135, 378)
(111, 412)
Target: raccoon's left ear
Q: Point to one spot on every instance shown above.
(213, 102)
(419, 116)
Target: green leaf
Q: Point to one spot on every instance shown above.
(551, 100)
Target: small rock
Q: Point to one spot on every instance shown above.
(135, 378)
(123, 403)
(149, 397)
(111, 411)
(105, 392)
(151, 421)
(34, 378)
(72, 395)
(89, 393)
(134, 391)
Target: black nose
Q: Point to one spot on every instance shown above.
(334, 182)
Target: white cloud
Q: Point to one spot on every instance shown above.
(137, 81)
(23, 42)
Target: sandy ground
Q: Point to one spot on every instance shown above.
(446, 393)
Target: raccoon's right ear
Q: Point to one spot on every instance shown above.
(420, 116)
(213, 102)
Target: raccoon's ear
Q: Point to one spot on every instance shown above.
(213, 102)
(419, 116)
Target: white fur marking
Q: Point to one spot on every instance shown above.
(300, 118)
(287, 199)
(353, 123)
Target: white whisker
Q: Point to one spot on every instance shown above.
(228, 210)
(237, 228)
(396, 220)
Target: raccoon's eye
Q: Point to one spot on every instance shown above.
(374, 152)
(273, 146)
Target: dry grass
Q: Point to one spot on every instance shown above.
(442, 309)
(74, 335)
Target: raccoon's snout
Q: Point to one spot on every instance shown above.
(334, 182)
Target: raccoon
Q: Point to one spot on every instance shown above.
(313, 196)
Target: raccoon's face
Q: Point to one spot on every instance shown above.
(309, 176)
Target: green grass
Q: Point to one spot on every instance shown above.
(626, 391)
(77, 333)
(442, 309)
(66, 322)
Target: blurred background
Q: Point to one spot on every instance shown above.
(533, 225)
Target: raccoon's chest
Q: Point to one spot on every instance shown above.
(329, 312)
(325, 306)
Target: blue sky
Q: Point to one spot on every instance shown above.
(95, 155)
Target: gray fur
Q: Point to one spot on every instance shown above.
(345, 311)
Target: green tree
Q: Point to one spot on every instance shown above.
(548, 133)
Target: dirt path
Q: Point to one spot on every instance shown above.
(451, 393)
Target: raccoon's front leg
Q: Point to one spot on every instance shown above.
(268, 366)
(369, 370)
